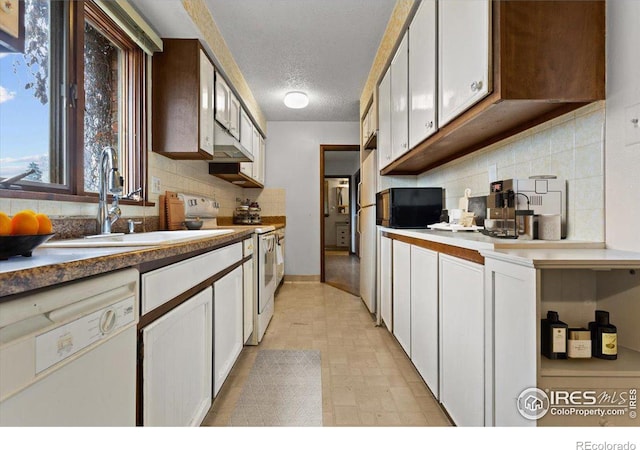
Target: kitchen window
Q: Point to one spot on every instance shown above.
(79, 86)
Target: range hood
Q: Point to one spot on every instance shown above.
(226, 148)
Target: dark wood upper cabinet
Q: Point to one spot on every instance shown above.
(547, 58)
(183, 101)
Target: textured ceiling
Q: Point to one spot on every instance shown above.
(322, 47)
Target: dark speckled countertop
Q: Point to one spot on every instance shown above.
(51, 266)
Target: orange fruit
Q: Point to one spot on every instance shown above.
(5, 224)
(44, 224)
(24, 222)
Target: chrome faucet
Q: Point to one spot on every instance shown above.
(110, 183)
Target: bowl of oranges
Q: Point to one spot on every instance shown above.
(22, 233)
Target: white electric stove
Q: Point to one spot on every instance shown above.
(265, 276)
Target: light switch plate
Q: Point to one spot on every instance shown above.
(632, 124)
(155, 185)
(493, 173)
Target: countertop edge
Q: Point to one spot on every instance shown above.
(28, 279)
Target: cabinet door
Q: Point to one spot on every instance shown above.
(366, 127)
(177, 364)
(246, 131)
(222, 101)
(422, 73)
(263, 159)
(234, 115)
(206, 103)
(384, 118)
(510, 340)
(402, 294)
(248, 298)
(463, 55)
(227, 325)
(257, 160)
(386, 299)
(424, 315)
(462, 340)
(399, 100)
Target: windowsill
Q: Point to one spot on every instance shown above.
(32, 195)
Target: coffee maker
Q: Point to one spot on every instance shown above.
(501, 210)
(514, 205)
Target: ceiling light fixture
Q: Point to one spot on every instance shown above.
(296, 100)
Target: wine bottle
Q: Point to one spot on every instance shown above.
(604, 337)
(553, 336)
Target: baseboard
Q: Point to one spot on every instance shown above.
(302, 278)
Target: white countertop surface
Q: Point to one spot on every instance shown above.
(532, 253)
(475, 240)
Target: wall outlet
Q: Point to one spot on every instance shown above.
(155, 185)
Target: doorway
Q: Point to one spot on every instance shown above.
(339, 172)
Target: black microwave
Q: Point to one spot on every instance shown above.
(409, 207)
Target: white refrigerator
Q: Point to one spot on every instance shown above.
(367, 229)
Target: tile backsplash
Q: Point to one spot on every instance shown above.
(570, 147)
(272, 201)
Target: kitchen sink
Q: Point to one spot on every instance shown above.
(138, 239)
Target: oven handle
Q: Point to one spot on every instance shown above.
(270, 242)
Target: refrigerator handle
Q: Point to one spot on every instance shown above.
(359, 196)
(358, 221)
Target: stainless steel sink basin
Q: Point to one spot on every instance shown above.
(138, 239)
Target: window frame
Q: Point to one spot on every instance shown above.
(134, 114)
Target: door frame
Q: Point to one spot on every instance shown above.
(333, 148)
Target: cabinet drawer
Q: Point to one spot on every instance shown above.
(161, 285)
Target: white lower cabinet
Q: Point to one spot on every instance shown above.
(424, 315)
(227, 325)
(177, 364)
(386, 262)
(402, 294)
(510, 321)
(462, 340)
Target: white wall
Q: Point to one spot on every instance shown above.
(340, 163)
(622, 161)
(293, 163)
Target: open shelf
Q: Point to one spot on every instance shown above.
(627, 365)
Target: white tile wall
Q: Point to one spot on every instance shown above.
(570, 147)
(193, 177)
(272, 201)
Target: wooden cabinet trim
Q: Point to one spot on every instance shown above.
(451, 250)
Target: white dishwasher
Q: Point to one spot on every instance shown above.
(68, 354)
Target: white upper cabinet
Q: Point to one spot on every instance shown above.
(422, 73)
(246, 131)
(227, 107)
(206, 103)
(258, 157)
(384, 118)
(222, 101)
(234, 116)
(399, 100)
(463, 55)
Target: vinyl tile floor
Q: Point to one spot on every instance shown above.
(367, 379)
